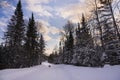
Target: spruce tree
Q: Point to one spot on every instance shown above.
(78, 35)
(60, 60)
(84, 44)
(110, 35)
(70, 47)
(41, 50)
(31, 42)
(15, 31)
(68, 43)
(42, 44)
(107, 20)
(14, 37)
(86, 38)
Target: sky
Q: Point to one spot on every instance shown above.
(53, 14)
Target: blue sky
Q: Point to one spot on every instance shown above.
(53, 14)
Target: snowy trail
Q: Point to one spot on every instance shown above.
(43, 74)
(61, 72)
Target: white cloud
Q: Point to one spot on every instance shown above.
(49, 51)
(54, 30)
(38, 7)
(81, 1)
(3, 24)
(4, 4)
(73, 12)
(37, 1)
(48, 30)
(47, 37)
(45, 28)
(7, 8)
(51, 45)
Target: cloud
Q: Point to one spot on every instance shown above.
(82, 1)
(7, 8)
(37, 1)
(54, 30)
(38, 7)
(49, 51)
(3, 24)
(4, 4)
(73, 12)
(47, 37)
(50, 33)
(51, 45)
(43, 26)
(46, 29)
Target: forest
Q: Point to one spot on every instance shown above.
(93, 42)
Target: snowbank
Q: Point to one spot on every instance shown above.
(46, 64)
(61, 72)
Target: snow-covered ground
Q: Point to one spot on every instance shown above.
(61, 72)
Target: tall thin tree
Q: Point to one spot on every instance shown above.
(31, 41)
(14, 37)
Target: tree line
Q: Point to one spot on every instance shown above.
(24, 46)
(95, 41)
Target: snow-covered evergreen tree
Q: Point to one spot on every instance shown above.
(41, 49)
(31, 41)
(68, 43)
(104, 24)
(83, 52)
(14, 38)
(110, 31)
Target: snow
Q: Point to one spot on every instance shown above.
(46, 63)
(61, 72)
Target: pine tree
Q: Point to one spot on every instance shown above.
(60, 58)
(84, 45)
(78, 35)
(107, 21)
(70, 47)
(41, 50)
(14, 37)
(51, 58)
(108, 3)
(111, 35)
(86, 38)
(31, 42)
(2, 58)
(15, 34)
(42, 44)
(68, 43)
(65, 55)
(105, 27)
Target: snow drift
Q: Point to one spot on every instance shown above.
(61, 72)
